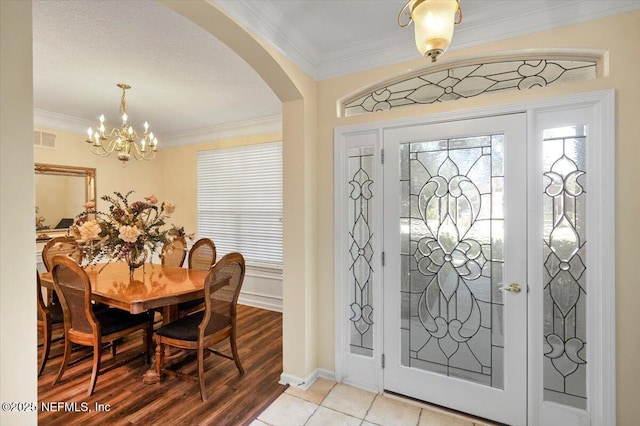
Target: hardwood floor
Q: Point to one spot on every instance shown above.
(232, 399)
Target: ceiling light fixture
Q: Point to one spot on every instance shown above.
(434, 21)
(123, 139)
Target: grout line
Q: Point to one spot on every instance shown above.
(325, 397)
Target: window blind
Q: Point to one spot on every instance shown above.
(240, 201)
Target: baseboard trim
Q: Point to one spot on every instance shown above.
(262, 302)
(304, 384)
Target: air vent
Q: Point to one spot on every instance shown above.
(44, 139)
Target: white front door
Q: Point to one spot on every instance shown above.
(455, 245)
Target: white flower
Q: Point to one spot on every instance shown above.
(169, 208)
(128, 233)
(90, 230)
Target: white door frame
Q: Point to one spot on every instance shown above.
(601, 301)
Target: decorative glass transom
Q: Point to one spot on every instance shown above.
(451, 230)
(360, 171)
(565, 346)
(470, 80)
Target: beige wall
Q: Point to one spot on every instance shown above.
(18, 338)
(619, 35)
(143, 177)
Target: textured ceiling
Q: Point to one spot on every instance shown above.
(182, 78)
(185, 80)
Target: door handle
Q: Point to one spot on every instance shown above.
(512, 288)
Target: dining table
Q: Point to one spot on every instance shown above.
(150, 287)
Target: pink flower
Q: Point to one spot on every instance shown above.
(152, 199)
(169, 208)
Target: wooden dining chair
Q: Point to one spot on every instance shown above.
(66, 246)
(48, 317)
(201, 330)
(202, 256)
(86, 326)
(174, 252)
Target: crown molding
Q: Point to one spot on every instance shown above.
(515, 19)
(224, 131)
(54, 120)
(266, 22)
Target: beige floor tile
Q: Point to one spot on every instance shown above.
(288, 410)
(433, 418)
(349, 400)
(390, 412)
(327, 417)
(257, 422)
(316, 392)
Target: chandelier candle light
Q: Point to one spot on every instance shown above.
(123, 138)
(434, 21)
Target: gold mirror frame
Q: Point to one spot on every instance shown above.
(89, 175)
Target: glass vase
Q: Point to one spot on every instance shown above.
(135, 259)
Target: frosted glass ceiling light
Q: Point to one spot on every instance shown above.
(434, 21)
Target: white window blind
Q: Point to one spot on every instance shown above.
(240, 201)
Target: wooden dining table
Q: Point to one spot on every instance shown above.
(152, 286)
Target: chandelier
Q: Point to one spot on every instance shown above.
(434, 21)
(122, 140)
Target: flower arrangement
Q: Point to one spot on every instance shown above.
(130, 231)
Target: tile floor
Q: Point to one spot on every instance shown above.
(327, 403)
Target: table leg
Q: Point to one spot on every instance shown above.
(169, 314)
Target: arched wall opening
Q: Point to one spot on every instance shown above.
(297, 92)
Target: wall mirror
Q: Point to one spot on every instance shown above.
(61, 194)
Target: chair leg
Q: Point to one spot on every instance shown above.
(234, 350)
(65, 360)
(159, 357)
(97, 355)
(203, 391)
(46, 346)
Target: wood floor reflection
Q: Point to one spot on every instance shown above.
(232, 399)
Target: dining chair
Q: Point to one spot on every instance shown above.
(48, 317)
(203, 329)
(84, 325)
(66, 246)
(202, 256)
(174, 252)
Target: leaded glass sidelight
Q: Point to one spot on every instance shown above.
(451, 234)
(360, 172)
(564, 212)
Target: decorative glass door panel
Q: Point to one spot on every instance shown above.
(451, 336)
(360, 195)
(564, 272)
(452, 258)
